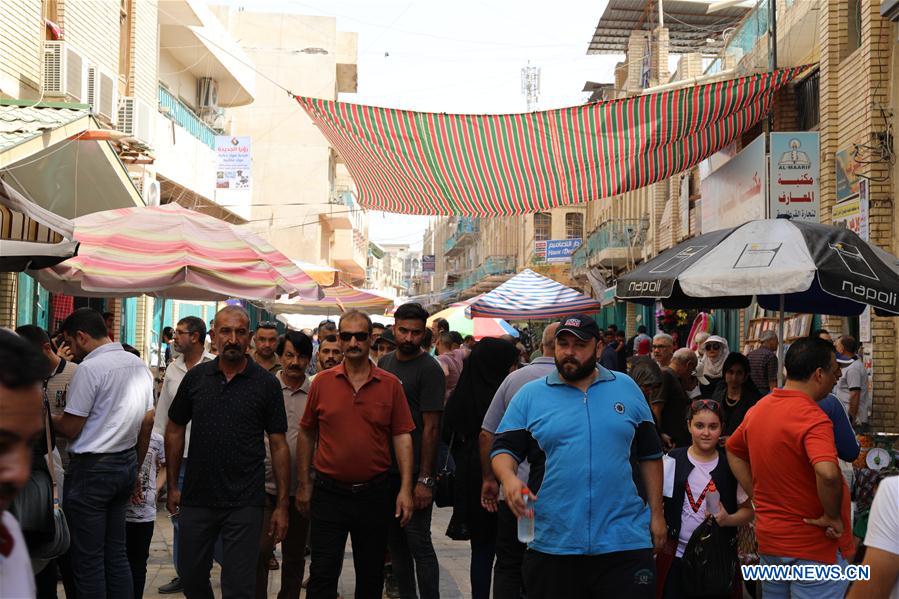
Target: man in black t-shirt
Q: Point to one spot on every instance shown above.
(424, 384)
(231, 403)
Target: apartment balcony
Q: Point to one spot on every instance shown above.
(746, 48)
(348, 254)
(343, 212)
(493, 272)
(614, 245)
(179, 112)
(467, 229)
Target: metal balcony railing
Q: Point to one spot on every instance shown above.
(751, 29)
(610, 234)
(182, 115)
(493, 265)
(466, 228)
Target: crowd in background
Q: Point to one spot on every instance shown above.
(623, 450)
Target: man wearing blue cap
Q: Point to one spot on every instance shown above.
(594, 533)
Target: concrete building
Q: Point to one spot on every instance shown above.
(303, 200)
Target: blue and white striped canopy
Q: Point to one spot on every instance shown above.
(530, 296)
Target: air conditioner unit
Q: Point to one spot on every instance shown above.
(207, 95)
(135, 119)
(65, 71)
(148, 187)
(103, 93)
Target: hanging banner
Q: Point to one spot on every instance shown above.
(795, 176)
(847, 175)
(735, 193)
(502, 164)
(560, 250)
(852, 214)
(234, 162)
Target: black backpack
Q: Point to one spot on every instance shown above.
(710, 562)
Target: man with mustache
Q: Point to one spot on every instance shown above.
(589, 422)
(329, 353)
(355, 413)
(231, 404)
(424, 384)
(294, 352)
(266, 341)
(22, 368)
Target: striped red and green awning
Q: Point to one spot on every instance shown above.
(483, 165)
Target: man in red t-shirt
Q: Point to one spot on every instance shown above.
(784, 455)
(354, 413)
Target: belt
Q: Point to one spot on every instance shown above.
(73, 456)
(324, 481)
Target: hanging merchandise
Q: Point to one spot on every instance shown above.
(486, 165)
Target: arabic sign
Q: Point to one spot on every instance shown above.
(233, 166)
(539, 251)
(853, 213)
(847, 175)
(795, 176)
(735, 192)
(428, 263)
(560, 250)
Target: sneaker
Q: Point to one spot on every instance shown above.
(273, 563)
(172, 587)
(391, 588)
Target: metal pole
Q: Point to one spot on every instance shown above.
(780, 343)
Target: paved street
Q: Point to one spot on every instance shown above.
(454, 556)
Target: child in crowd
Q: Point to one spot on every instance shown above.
(690, 473)
(140, 515)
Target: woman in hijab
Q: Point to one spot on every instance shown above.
(712, 364)
(485, 369)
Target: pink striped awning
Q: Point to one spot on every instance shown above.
(485, 165)
(169, 251)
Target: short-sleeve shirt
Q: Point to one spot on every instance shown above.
(146, 510)
(588, 502)
(356, 428)
(883, 522)
(425, 387)
(537, 369)
(854, 377)
(229, 421)
(174, 374)
(294, 407)
(782, 438)
(762, 368)
(113, 390)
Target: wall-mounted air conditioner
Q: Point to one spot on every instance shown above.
(148, 187)
(135, 119)
(102, 94)
(65, 71)
(207, 95)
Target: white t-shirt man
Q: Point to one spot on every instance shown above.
(16, 577)
(883, 522)
(112, 389)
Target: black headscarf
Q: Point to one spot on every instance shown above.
(482, 373)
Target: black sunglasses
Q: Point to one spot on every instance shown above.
(267, 324)
(713, 346)
(330, 338)
(360, 336)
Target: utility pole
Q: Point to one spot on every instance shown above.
(530, 85)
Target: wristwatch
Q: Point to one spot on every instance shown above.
(428, 481)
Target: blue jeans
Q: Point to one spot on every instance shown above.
(824, 589)
(97, 490)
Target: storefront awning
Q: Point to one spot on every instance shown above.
(42, 158)
(486, 165)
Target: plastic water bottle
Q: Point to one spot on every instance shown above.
(525, 523)
(713, 500)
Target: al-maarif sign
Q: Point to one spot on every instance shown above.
(795, 172)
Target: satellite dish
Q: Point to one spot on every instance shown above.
(877, 458)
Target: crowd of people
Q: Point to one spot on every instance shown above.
(647, 469)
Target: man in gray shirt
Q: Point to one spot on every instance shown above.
(507, 581)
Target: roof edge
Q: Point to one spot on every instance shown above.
(30, 104)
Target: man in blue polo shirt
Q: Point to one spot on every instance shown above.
(594, 533)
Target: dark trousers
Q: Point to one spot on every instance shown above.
(413, 555)
(482, 553)
(137, 544)
(239, 528)
(293, 549)
(507, 581)
(365, 516)
(628, 574)
(97, 489)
